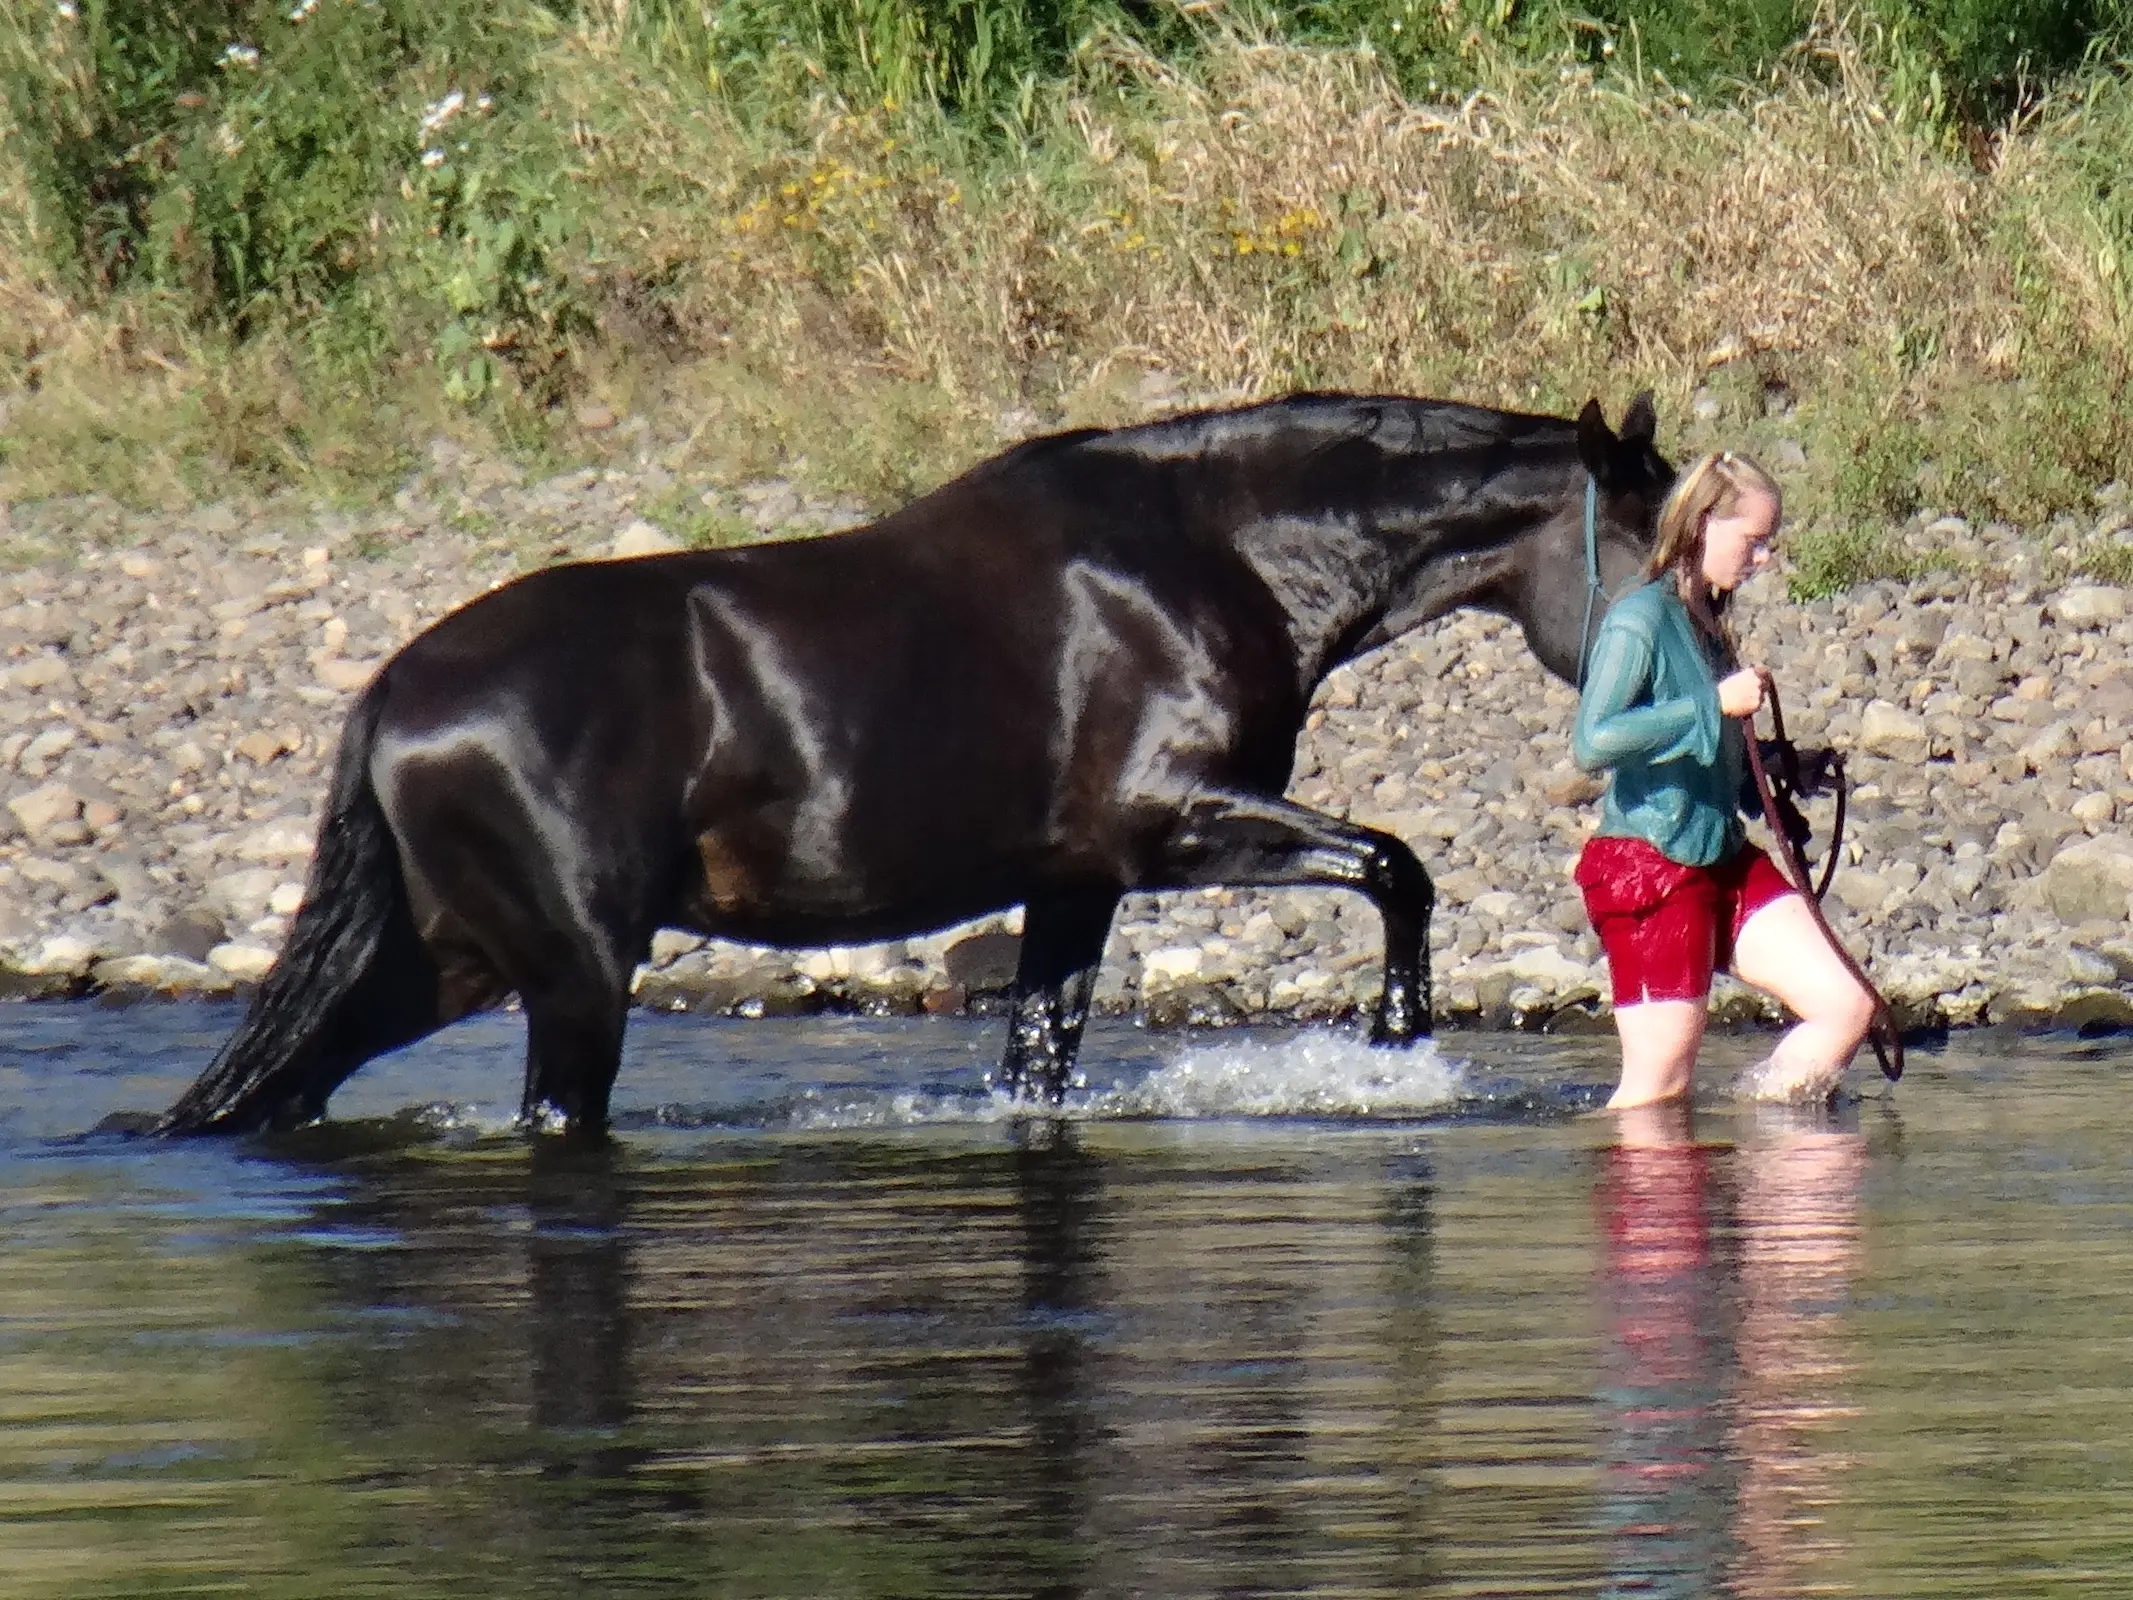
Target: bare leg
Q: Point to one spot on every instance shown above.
(1659, 1040)
(1062, 946)
(1782, 952)
(1230, 838)
(1655, 1125)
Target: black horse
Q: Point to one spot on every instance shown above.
(1077, 671)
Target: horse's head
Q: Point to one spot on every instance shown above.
(1557, 595)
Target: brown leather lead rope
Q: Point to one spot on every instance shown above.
(1789, 768)
(1881, 1032)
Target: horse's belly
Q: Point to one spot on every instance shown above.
(855, 891)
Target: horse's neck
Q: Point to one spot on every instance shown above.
(1346, 585)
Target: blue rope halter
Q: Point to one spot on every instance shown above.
(1593, 591)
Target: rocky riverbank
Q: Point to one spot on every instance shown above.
(171, 688)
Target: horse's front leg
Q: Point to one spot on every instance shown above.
(1062, 946)
(1225, 837)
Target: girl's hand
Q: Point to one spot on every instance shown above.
(1740, 694)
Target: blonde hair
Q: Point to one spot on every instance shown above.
(1713, 484)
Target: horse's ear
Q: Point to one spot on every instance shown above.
(1596, 441)
(1640, 423)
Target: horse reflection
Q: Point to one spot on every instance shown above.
(1726, 1357)
(1059, 1187)
(578, 1283)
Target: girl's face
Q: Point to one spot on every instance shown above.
(1736, 543)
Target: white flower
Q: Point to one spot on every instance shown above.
(240, 55)
(433, 158)
(483, 103)
(443, 111)
(304, 8)
(69, 10)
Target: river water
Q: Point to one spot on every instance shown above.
(1269, 1315)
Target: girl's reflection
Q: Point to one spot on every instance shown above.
(1799, 1248)
(1724, 1352)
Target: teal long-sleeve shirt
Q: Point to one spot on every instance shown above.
(1649, 715)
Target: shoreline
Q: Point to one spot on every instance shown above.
(172, 685)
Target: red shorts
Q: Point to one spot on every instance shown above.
(1666, 927)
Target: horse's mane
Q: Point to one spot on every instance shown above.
(1296, 428)
(1312, 422)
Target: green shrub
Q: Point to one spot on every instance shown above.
(102, 95)
(1985, 57)
(980, 57)
(1825, 561)
(1877, 475)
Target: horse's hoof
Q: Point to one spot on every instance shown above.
(1398, 1033)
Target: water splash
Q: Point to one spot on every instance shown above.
(1318, 1073)
(1771, 1083)
(1314, 1074)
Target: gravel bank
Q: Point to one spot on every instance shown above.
(171, 688)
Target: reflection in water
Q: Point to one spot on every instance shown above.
(1799, 1252)
(1059, 1187)
(1249, 1356)
(578, 1283)
(1665, 1473)
(1723, 1352)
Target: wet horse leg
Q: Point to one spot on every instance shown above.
(573, 1051)
(1062, 946)
(570, 966)
(1226, 837)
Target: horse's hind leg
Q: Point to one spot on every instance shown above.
(1233, 838)
(573, 1050)
(1062, 946)
(563, 928)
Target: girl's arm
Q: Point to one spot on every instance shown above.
(1611, 728)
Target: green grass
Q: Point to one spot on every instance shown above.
(696, 518)
(1824, 561)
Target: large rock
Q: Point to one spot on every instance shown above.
(1886, 729)
(983, 963)
(244, 893)
(247, 963)
(2089, 880)
(39, 674)
(277, 841)
(190, 934)
(2054, 744)
(642, 538)
(1171, 965)
(346, 676)
(2090, 605)
(45, 807)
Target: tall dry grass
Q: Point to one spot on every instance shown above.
(872, 297)
(1818, 267)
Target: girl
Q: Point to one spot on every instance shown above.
(1674, 889)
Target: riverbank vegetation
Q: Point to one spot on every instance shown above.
(250, 245)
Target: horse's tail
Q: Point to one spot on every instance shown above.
(354, 898)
